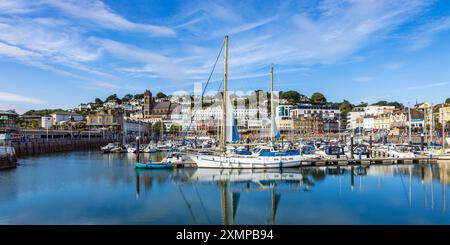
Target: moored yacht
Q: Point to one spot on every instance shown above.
(150, 148)
(107, 148)
(263, 158)
(330, 152)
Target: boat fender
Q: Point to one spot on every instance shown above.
(281, 164)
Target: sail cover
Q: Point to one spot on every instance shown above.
(274, 128)
(232, 133)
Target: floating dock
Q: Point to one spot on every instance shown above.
(368, 161)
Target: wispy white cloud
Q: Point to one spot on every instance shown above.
(10, 97)
(394, 65)
(247, 26)
(156, 63)
(363, 79)
(16, 52)
(100, 14)
(424, 35)
(344, 28)
(107, 85)
(16, 7)
(326, 32)
(429, 85)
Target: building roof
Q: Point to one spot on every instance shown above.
(317, 107)
(8, 112)
(65, 113)
(30, 116)
(416, 114)
(163, 105)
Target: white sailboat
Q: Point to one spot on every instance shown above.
(225, 159)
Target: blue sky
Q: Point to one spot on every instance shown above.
(57, 54)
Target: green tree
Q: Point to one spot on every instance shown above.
(157, 127)
(98, 101)
(113, 97)
(42, 112)
(318, 99)
(294, 97)
(174, 129)
(138, 96)
(127, 97)
(362, 104)
(345, 107)
(161, 95)
(386, 103)
(396, 104)
(447, 101)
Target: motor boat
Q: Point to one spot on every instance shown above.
(359, 152)
(398, 151)
(440, 154)
(206, 144)
(119, 149)
(131, 148)
(109, 147)
(330, 152)
(150, 148)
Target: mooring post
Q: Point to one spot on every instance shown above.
(351, 146)
(352, 178)
(137, 148)
(422, 147)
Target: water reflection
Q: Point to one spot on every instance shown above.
(231, 183)
(100, 188)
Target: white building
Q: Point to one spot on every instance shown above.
(306, 110)
(283, 111)
(354, 116)
(111, 104)
(258, 123)
(136, 102)
(66, 117)
(368, 123)
(375, 110)
(82, 106)
(134, 127)
(358, 113)
(131, 107)
(46, 122)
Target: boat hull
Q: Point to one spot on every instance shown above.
(152, 165)
(209, 161)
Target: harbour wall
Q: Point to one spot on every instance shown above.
(42, 147)
(8, 158)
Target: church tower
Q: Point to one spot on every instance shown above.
(148, 103)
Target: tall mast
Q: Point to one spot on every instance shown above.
(224, 99)
(409, 120)
(431, 125)
(162, 130)
(443, 126)
(272, 110)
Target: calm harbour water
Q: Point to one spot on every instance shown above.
(96, 188)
